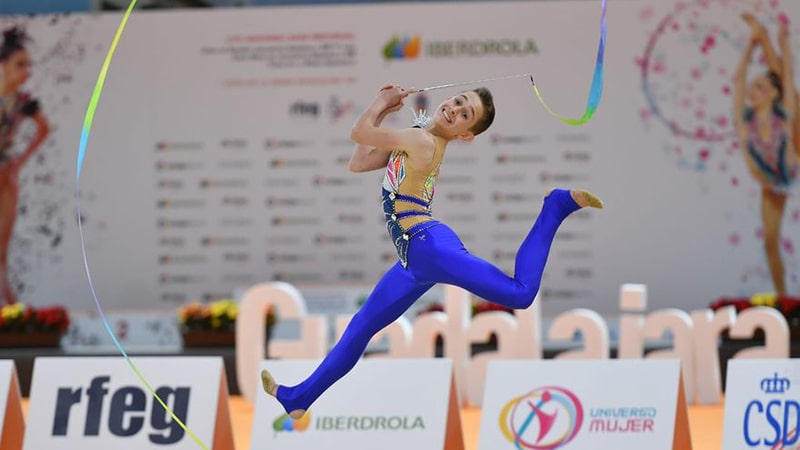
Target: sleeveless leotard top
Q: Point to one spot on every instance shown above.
(771, 156)
(407, 196)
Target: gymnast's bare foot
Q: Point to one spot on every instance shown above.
(582, 197)
(585, 198)
(268, 383)
(271, 388)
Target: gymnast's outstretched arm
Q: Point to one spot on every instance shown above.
(789, 90)
(739, 87)
(761, 37)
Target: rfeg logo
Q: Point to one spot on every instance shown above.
(286, 423)
(126, 413)
(545, 418)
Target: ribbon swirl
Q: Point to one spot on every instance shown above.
(87, 128)
(596, 89)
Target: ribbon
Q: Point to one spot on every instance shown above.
(87, 128)
(595, 91)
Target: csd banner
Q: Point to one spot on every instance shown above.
(386, 404)
(762, 404)
(616, 404)
(99, 403)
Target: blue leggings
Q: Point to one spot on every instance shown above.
(435, 255)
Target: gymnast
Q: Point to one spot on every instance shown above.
(766, 120)
(428, 251)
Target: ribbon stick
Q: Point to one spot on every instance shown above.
(87, 128)
(444, 86)
(595, 91)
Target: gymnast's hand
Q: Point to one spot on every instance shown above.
(392, 95)
(390, 109)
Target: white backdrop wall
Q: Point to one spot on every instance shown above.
(219, 153)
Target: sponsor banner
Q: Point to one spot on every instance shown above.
(540, 405)
(100, 403)
(762, 404)
(136, 331)
(388, 404)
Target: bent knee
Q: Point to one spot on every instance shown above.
(525, 302)
(519, 300)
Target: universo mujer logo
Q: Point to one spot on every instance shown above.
(543, 419)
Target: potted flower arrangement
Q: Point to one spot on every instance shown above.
(24, 325)
(789, 307)
(213, 324)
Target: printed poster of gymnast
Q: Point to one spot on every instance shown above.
(718, 79)
(37, 91)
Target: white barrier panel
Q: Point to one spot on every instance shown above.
(387, 404)
(251, 332)
(12, 422)
(99, 403)
(762, 404)
(570, 404)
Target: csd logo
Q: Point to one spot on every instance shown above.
(772, 422)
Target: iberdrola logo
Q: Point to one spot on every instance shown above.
(286, 423)
(405, 47)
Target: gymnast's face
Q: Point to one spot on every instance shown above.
(457, 115)
(16, 68)
(761, 92)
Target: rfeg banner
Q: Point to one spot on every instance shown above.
(218, 156)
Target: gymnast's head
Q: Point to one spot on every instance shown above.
(15, 63)
(765, 90)
(465, 115)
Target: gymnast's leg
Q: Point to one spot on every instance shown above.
(445, 260)
(392, 296)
